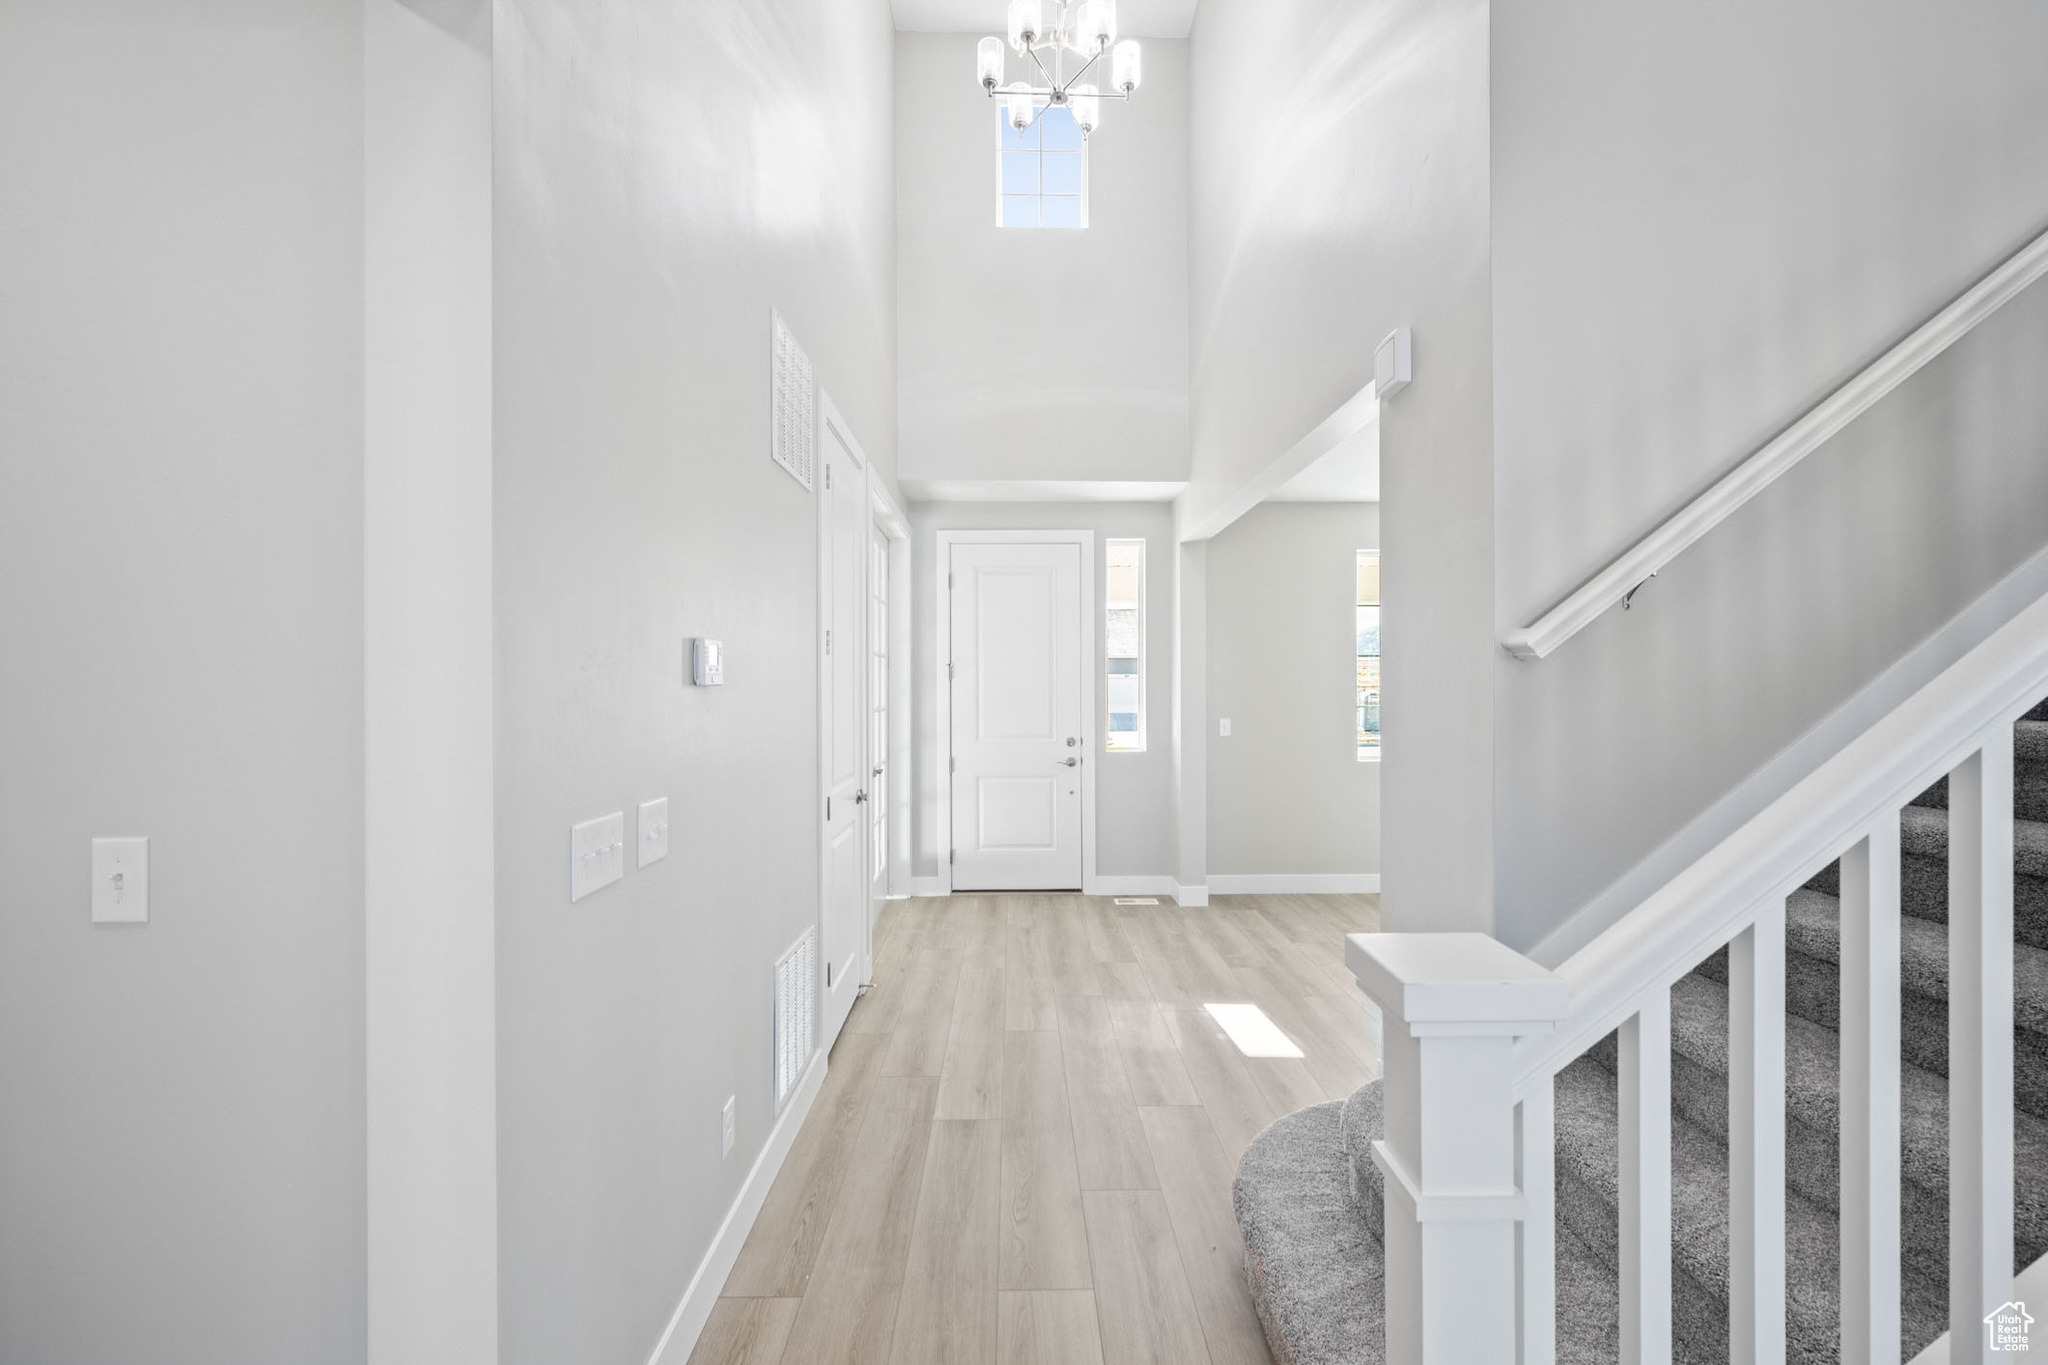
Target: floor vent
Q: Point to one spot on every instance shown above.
(795, 988)
(1137, 900)
(792, 419)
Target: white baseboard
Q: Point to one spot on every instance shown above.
(1294, 883)
(687, 1323)
(1190, 895)
(1128, 886)
(931, 886)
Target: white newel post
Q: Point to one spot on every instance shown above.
(1454, 1005)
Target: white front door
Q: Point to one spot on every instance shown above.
(842, 553)
(1016, 701)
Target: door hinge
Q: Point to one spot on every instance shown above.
(828, 810)
(828, 476)
(828, 976)
(949, 580)
(949, 668)
(951, 854)
(828, 639)
(955, 765)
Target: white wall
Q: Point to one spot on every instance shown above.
(1134, 792)
(1356, 201)
(181, 644)
(1704, 219)
(1045, 354)
(650, 210)
(1287, 794)
(429, 902)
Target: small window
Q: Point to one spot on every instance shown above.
(1368, 655)
(1042, 172)
(1123, 689)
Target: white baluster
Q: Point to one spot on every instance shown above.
(1979, 1043)
(1645, 1116)
(1756, 1141)
(1870, 1096)
(1454, 1004)
(1536, 1170)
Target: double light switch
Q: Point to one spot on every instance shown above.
(597, 854)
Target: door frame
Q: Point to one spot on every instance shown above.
(886, 517)
(1088, 653)
(832, 425)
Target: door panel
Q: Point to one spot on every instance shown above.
(843, 550)
(1017, 712)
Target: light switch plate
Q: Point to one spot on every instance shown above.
(120, 881)
(653, 830)
(597, 854)
(1223, 728)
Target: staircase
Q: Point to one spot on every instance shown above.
(1311, 1200)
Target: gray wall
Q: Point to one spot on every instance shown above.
(650, 210)
(181, 645)
(1134, 792)
(1048, 354)
(1287, 793)
(1357, 202)
(1704, 219)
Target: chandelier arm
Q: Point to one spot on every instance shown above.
(1084, 70)
(1042, 71)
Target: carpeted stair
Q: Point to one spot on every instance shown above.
(1308, 1196)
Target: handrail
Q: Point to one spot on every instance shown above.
(1621, 577)
(1680, 925)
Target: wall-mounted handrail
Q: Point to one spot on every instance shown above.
(1615, 582)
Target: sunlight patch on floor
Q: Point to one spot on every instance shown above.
(1254, 1033)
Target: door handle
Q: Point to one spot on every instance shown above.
(878, 770)
(859, 797)
(1067, 762)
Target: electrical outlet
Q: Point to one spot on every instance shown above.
(725, 1127)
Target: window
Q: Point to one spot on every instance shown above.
(1124, 607)
(1042, 175)
(1368, 655)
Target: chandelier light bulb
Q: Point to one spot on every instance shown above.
(1126, 66)
(1020, 103)
(1094, 25)
(1087, 107)
(1027, 24)
(988, 62)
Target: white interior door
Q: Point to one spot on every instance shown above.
(842, 558)
(1017, 750)
(877, 805)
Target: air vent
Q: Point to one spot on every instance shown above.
(1137, 900)
(795, 989)
(792, 419)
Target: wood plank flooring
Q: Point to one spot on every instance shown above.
(1024, 1146)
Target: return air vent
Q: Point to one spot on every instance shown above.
(792, 418)
(795, 992)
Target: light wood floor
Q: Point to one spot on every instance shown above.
(1022, 1152)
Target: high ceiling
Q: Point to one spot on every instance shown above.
(1135, 18)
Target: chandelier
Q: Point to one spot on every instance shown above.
(1084, 30)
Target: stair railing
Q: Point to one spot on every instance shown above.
(1476, 1035)
(1635, 566)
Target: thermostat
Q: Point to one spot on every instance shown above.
(707, 662)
